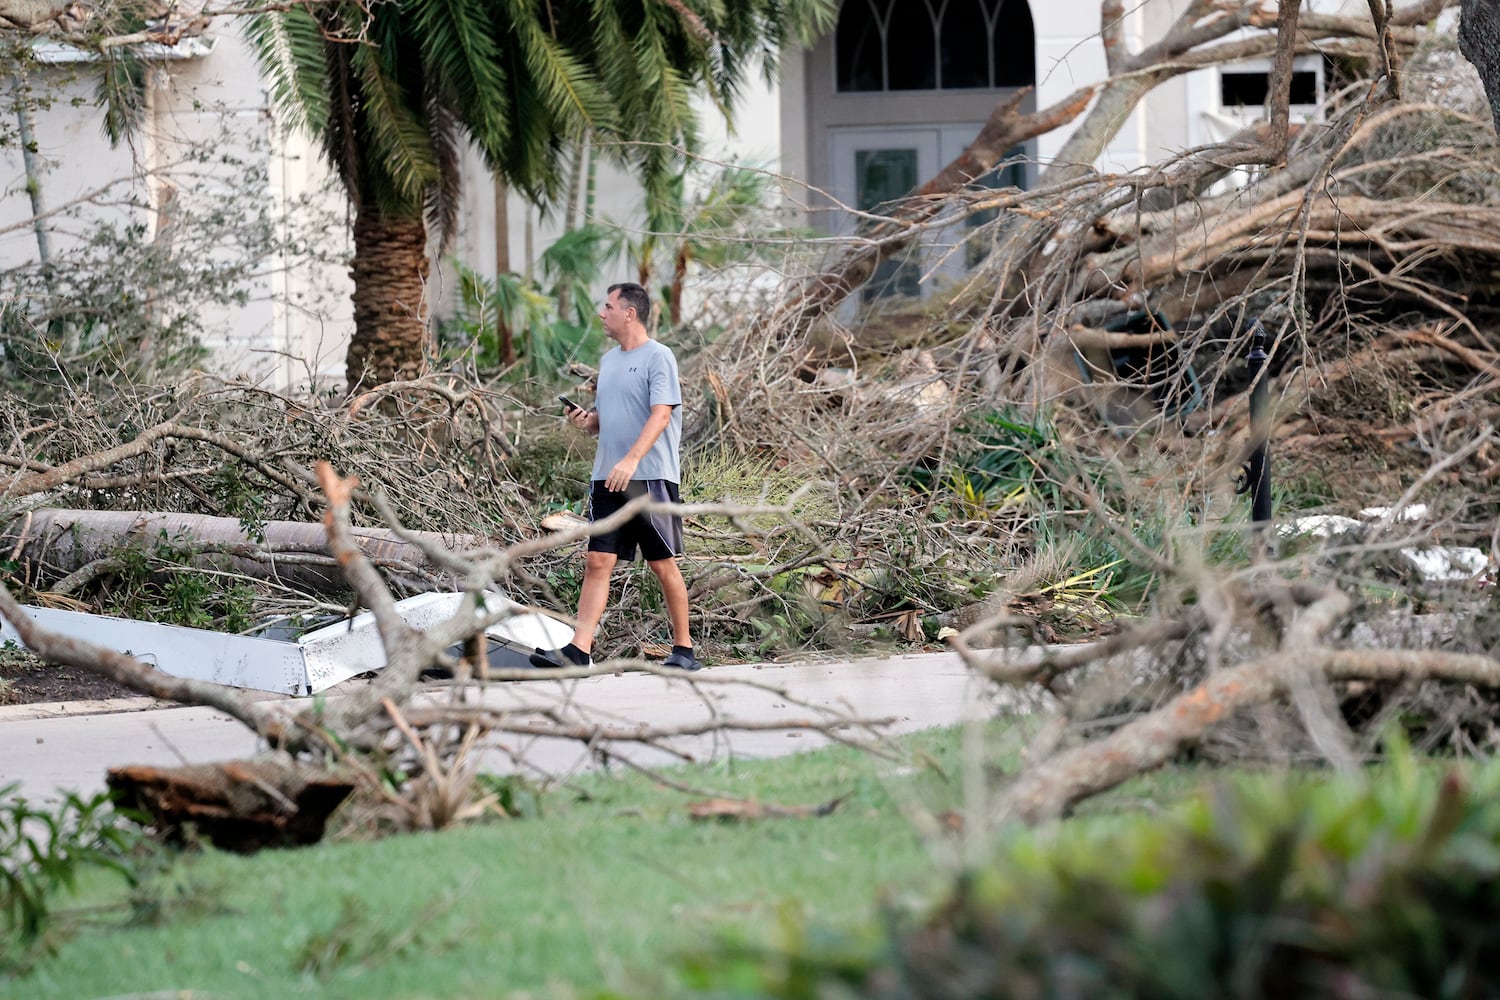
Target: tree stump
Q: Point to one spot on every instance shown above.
(237, 805)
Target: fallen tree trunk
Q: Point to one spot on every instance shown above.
(51, 544)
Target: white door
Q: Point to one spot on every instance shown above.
(873, 167)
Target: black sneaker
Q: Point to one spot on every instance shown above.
(555, 659)
(682, 661)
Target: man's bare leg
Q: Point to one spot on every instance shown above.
(674, 592)
(597, 569)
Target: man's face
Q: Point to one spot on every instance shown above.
(614, 314)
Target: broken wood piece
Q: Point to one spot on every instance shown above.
(563, 520)
(237, 805)
(749, 809)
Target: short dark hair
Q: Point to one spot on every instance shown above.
(635, 297)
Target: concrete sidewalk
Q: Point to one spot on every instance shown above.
(52, 748)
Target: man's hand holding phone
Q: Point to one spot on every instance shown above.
(576, 415)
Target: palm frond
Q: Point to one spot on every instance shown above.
(400, 145)
(121, 92)
(391, 89)
(462, 57)
(564, 81)
(445, 197)
(292, 53)
(340, 138)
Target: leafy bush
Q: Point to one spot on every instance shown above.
(512, 318)
(1357, 888)
(155, 580)
(1004, 459)
(42, 854)
(143, 271)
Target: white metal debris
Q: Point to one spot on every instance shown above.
(310, 662)
(1433, 563)
(1411, 512)
(1447, 564)
(1320, 526)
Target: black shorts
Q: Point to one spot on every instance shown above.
(657, 533)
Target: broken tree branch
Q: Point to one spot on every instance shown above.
(1049, 789)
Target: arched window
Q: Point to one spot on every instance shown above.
(884, 45)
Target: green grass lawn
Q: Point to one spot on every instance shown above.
(605, 891)
(599, 893)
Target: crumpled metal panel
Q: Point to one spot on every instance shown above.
(351, 647)
(235, 660)
(313, 662)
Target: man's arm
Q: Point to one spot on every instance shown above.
(619, 476)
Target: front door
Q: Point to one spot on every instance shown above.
(872, 168)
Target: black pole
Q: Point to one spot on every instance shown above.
(1258, 468)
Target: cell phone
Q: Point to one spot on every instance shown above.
(568, 404)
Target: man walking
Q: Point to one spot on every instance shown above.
(638, 420)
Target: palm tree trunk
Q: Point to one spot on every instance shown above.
(570, 215)
(679, 280)
(390, 299)
(1479, 41)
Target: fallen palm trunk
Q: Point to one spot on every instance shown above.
(51, 544)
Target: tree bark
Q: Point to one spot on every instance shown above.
(49, 543)
(238, 805)
(1479, 41)
(390, 271)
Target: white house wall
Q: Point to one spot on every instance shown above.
(312, 310)
(298, 320)
(294, 322)
(75, 161)
(1070, 54)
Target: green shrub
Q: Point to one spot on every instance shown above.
(42, 854)
(1384, 887)
(1003, 460)
(156, 580)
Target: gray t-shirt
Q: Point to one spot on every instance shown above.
(630, 383)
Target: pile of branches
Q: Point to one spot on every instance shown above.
(411, 756)
(1372, 254)
(1257, 667)
(1122, 309)
(220, 471)
(1364, 243)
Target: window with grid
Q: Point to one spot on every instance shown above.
(890, 45)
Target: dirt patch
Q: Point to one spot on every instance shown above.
(26, 680)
